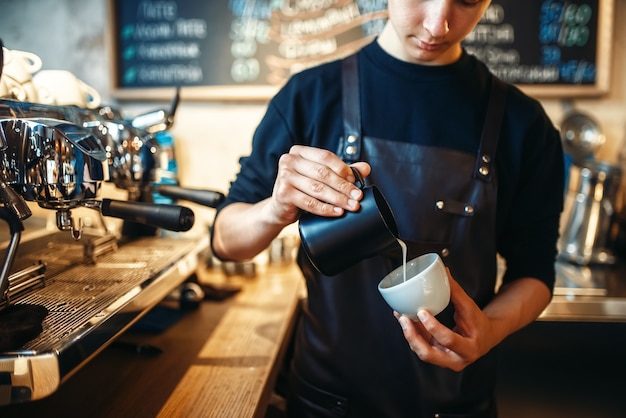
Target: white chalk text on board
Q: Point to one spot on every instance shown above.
(552, 45)
(182, 42)
(564, 50)
(165, 45)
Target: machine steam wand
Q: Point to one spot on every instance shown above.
(14, 211)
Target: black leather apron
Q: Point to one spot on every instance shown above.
(351, 359)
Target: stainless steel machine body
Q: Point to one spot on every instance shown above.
(93, 287)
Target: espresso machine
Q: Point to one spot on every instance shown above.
(82, 288)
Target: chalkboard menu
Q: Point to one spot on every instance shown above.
(551, 47)
(246, 49)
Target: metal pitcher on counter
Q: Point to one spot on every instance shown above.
(588, 225)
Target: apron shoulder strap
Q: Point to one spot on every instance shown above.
(491, 130)
(350, 148)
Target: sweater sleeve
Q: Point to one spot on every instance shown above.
(530, 228)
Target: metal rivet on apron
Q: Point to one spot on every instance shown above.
(484, 170)
(445, 252)
(468, 209)
(486, 158)
(340, 408)
(439, 204)
(351, 139)
(350, 150)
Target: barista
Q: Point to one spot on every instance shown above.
(471, 167)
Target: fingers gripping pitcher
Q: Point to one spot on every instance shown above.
(335, 244)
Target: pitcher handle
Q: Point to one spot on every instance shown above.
(358, 177)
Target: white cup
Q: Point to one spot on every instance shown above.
(426, 286)
(18, 68)
(61, 87)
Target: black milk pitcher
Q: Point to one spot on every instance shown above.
(333, 244)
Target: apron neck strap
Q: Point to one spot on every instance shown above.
(351, 144)
(484, 167)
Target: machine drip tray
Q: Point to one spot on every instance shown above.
(90, 302)
(572, 280)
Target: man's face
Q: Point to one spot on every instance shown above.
(430, 31)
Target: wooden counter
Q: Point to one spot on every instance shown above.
(220, 360)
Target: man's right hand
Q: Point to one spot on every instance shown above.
(317, 181)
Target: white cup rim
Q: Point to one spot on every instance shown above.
(430, 259)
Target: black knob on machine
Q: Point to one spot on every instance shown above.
(208, 198)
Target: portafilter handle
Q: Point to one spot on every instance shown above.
(209, 198)
(171, 217)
